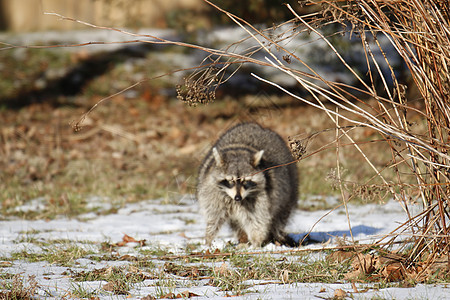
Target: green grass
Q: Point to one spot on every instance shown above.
(79, 291)
(63, 253)
(26, 66)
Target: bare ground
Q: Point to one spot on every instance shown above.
(130, 149)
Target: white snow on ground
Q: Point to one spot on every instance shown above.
(173, 226)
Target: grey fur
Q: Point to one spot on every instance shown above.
(231, 187)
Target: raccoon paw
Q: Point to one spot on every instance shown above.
(243, 246)
(242, 237)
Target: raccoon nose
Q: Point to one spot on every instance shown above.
(238, 197)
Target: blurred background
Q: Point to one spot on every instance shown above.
(141, 141)
(28, 15)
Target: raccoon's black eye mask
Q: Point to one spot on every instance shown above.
(247, 184)
(226, 183)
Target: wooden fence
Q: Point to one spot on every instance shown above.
(28, 15)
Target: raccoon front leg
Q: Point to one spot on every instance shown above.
(259, 223)
(212, 227)
(240, 233)
(258, 233)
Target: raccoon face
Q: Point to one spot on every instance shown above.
(238, 174)
(238, 188)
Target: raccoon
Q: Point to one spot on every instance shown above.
(243, 181)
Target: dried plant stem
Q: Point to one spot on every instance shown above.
(338, 167)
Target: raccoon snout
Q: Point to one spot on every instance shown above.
(238, 198)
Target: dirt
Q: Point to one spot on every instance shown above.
(149, 141)
(148, 146)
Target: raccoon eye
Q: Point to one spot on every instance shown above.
(248, 184)
(226, 183)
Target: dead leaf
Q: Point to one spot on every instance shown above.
(195, 272)
(183, 271)
(133, 269)
(128, 257)
(134, 111)
(4, 264)
(174, 133)
(340, 256)
(340, 294)
(169, 296)
(184, 295)
(128, 239)
(366, 262)
(188, 149)
(107, 271)
(149, 297)
(120, 244)
(363, 265)
(412, 274)
(393, 272)
(382, 261)
(284, 276)
(222, 270)
(187, 294)
(322, 290)
(349, 276)
(439, 267)
(229, 296)
(108, 287)
(116, 287)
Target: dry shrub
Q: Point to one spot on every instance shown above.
(419, 31)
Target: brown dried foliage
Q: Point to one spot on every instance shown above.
(420, 33)
(391, 267)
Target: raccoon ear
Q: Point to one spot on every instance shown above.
(219, 160)
(257, 158)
